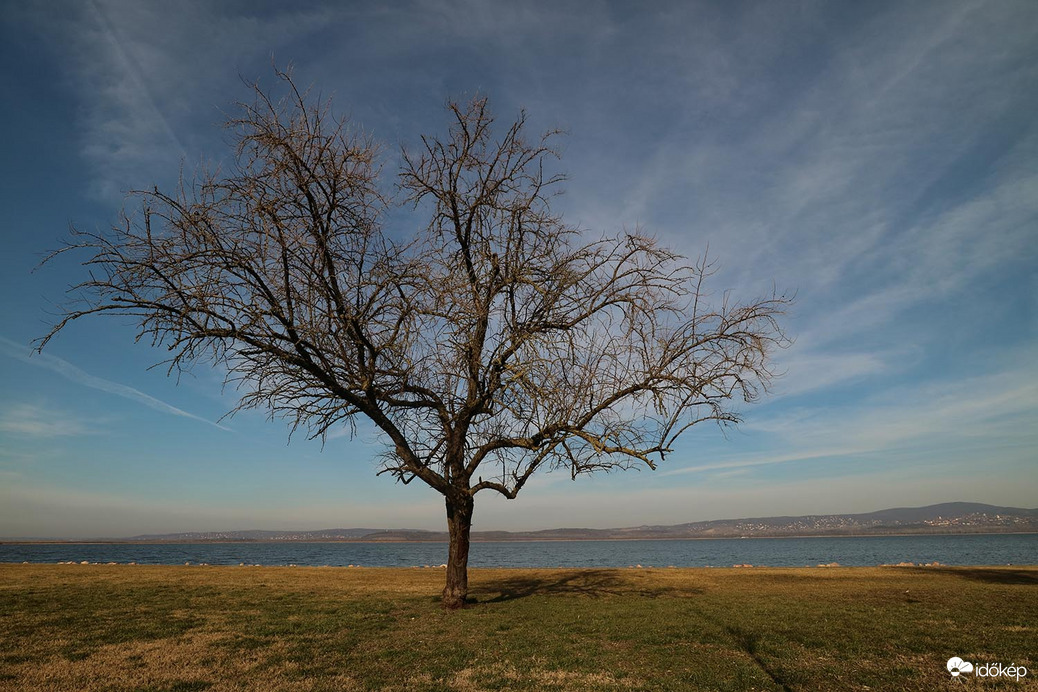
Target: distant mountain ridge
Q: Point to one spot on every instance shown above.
(946, 518)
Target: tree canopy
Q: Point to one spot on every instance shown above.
(493, 342)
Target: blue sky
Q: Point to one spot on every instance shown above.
(880, 159)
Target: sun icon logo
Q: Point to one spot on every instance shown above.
(956, 666)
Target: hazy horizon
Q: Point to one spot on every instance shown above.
(442, 529)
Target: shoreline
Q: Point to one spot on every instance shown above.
(509, 540)
(433, 568)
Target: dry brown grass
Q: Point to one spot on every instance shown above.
(75, 627)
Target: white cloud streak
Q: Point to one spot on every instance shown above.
(38, 422)
(1001, 407)
(995, 414)
(152, 78)
(71, 372)
(751, 460)
(801, 371)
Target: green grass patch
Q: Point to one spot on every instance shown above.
(78, 627)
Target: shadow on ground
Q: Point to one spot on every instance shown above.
(989, 575)
(586, 583)
(749, 642)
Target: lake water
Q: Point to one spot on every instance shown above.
(770, 552)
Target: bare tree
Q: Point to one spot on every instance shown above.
(494, 343)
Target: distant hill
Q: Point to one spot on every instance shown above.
(205, 536)
(947, 518)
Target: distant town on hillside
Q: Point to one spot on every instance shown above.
(948, 518)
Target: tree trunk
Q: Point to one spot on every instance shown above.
(459, 524)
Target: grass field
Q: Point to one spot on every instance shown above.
(81, 627)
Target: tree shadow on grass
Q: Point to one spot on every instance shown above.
(989, 575)
(595, 583)
(749, 642)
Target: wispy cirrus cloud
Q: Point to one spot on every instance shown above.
(71, 372)
(874, 173)
(986, 412)
(997, 411)
(804, 371)
(745, 462)
(151, 79)
(39, 422)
